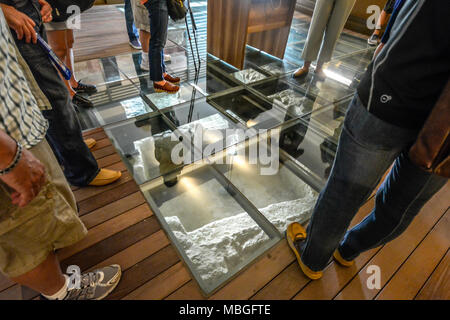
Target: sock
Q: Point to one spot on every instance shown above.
(61, 294)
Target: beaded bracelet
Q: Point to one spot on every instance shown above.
(14, 162)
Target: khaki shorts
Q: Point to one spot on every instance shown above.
(28, 235)
(140, 14)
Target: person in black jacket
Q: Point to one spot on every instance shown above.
(395, 97)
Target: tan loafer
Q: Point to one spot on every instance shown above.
(90, 142)
(105, 176)
(345, 263)
(300, 72)
(295, 232)
(174, 80)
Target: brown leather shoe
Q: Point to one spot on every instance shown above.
(300, 72)
(174, 80)
(90, 142)
(167, 87)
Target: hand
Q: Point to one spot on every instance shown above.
(20, 23)
(26, 179)
(46, 11)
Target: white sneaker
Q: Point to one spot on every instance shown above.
(145, 65)
(167, 58)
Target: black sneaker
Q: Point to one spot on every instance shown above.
(96, 285)
(373, 40)
(81, 101)
(85, 88)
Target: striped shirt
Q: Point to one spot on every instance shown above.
(20, 114)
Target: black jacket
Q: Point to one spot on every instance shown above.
(404, 81)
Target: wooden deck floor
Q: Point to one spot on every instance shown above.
(123, 229)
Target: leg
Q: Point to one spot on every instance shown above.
(338, 18)
(145, 40)
(404, 192)
(322, 12)
(366, 149)
(64, 133)
(158, 28)
(131, 29)
(46, 278)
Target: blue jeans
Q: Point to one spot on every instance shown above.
(159, 21)
(367, 147)
(64, 133)
(131, 28)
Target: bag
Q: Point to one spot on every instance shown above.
(177, 9)
(432, 147)
(61, 10)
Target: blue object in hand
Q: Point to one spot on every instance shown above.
(65, 71)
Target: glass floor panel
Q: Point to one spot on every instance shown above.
(212, 228)
(250, 110)
(333, 88)
(199, 121)
(310, 149)
(265, 63)
(329, 120)
(277, 190)
(289, 96)
(145, 145)
(162, 100)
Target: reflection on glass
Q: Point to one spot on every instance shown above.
(248, 75)
(210, 227)
(311, 149)
(329, 120)
(146, 147)
(164, 100)
(291, 97)
(202, 122)
(115, 111)
(250, 110)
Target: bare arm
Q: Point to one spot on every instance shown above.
(27, 178)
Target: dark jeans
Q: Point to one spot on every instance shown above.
(131, 28)
(64, 133)
(159, 20)
(367, 147)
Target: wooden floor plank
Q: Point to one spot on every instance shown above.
(101, 200)
(162, 285)
(101, 144)
(108, 229)
(137, 252)
(257, 275)
(103, 152)
(114, 244)
(113, 209)
(12, 293)
(437, 286)
(144, 271)
(392, 255)
(414, 272)
(189, 291)
(109, 160)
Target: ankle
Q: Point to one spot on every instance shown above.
(61, 293)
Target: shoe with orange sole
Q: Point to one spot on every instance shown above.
(167, 87)
(345, 263)
(105, 176)
(90, 142)
(296, 233)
